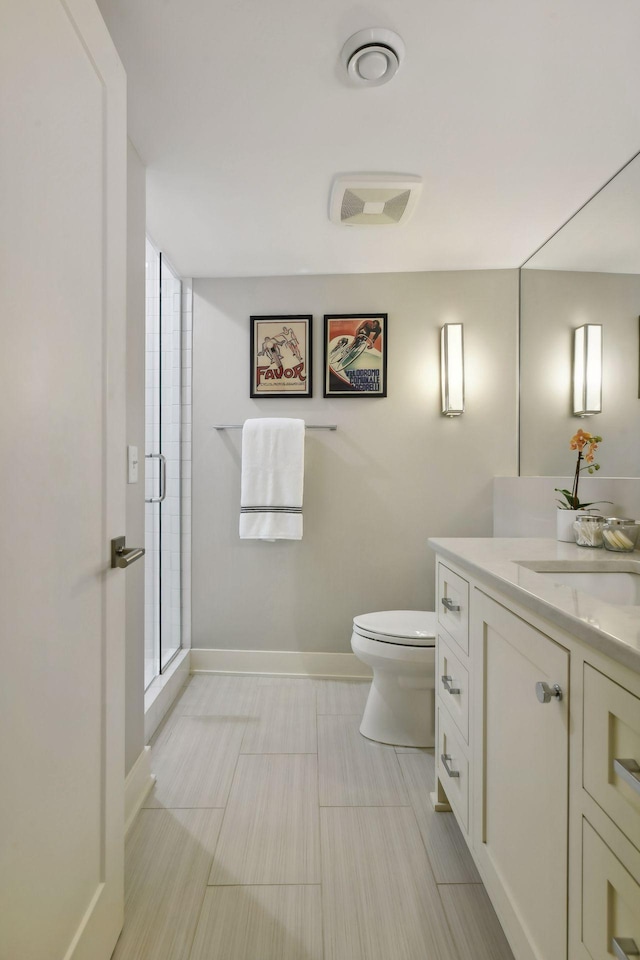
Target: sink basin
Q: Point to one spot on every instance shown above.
(617, 583)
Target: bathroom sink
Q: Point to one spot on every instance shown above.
(616, 582)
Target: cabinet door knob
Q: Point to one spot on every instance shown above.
(446, 682)
(624, 948)
(545, 693)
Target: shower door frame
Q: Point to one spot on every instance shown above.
(163, 525)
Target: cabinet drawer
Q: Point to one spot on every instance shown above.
(610, 900)
(453, 605)
(452, 680)
(455, 779)
(612, 750)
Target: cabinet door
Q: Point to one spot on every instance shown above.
(523, 793)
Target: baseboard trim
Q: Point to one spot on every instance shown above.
(137, 785)
(279, 663)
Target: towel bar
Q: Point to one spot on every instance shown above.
(308, 426)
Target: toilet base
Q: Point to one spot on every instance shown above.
(398, 714)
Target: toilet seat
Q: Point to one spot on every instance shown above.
(404, 628)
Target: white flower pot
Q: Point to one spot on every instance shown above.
(564, 525)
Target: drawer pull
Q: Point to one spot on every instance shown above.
(629, 770)
(445, 757)
(446, 682)
(545, 693)
(450, 604)
(624, 948)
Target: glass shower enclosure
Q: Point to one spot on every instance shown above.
(162, 463)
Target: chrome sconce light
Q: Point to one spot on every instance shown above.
(452, 369)
(587, 370)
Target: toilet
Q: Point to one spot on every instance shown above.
(399, 646)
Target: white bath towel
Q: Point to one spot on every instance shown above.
(272, 479)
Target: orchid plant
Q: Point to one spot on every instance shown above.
(586, 444)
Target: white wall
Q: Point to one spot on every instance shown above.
(134, 668)
(554, 302)
(395, 473)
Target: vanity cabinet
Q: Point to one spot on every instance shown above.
(538, 740)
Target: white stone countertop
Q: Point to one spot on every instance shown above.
(612, 629)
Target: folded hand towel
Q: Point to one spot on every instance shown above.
(272, 479)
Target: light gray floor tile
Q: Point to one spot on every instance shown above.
(164, 729)
(270, 829)
(219, 696)
(168, 857)
(474, 925)
(342, 696)
(194, 765)
(260, 923)
(380, 901)
(414, 749)
(285, 720)
(305, 687)
(354, 771)
(446, 848)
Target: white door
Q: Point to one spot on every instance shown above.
(62, 449)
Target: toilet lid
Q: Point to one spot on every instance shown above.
(416, 628)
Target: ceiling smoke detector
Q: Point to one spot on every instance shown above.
(372, 57)
(376, 199)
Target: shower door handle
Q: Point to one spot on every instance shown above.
(163, 476)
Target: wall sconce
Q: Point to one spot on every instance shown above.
(587, 370)
(452, 369)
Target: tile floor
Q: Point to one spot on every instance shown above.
(277, 832)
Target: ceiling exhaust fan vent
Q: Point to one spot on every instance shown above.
(372, 57)
(373, 199)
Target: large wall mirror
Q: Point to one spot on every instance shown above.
(587, 273)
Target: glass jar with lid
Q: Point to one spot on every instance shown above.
(588, 530)
(620, 535)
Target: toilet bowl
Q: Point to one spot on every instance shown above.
(399, 646)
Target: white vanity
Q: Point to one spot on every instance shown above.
(538, 737)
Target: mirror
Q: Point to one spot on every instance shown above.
(588, 272)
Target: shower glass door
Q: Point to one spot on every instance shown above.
(162, 460)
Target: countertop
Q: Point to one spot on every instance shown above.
(611, 629)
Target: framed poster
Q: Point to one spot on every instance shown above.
(355, 355)
(281, 356)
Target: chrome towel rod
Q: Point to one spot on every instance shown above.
(308, 426)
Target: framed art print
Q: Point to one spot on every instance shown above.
(281, 356)
(355, 355)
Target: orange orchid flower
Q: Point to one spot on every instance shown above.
(580, 440)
